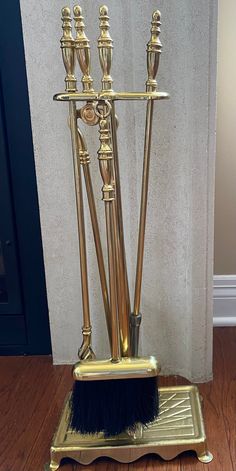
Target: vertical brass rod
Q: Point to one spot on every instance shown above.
(121, 258)
(85, 350)
(143, 206)
(98, 246)
(115, 352)
(153, 55)
(105, 47)
(82, 49)
(68, 55)
(105, 157)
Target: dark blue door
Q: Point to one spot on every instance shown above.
(24, 326)
(12, 324)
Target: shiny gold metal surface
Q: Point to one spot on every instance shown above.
(106, 95)
(153, 56)
(85, 351)
(80, 216)
(88, 115)
(121, 255)
(68, 53)
(108, 369)
(105, 46)
(179, 428)
(105, 158)
(84, 161)
(82, 49)
(68, 50)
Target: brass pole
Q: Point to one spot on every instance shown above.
(105, 47)
(68, 54)
(84, 161)
(125, 305)
(153, 55)
(87, 114)
(105, 164)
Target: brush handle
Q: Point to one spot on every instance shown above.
(105, 158)
(68, 54)
(105, 48)
(82, 49)
(153, 56)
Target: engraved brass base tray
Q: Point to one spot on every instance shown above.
(178, 428)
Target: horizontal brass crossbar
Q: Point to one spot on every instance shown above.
(106, 95)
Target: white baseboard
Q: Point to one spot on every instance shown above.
(224, 300)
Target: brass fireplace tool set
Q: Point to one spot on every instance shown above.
(178, 424)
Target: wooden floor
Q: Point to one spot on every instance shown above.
(32, 392)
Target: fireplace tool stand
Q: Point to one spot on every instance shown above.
(179, 426)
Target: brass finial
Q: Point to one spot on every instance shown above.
(105, 46)
(154, 47)
(82, 49)
(68, 52)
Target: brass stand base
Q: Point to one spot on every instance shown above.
(178, 428)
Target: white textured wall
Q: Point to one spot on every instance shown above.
(177, 288)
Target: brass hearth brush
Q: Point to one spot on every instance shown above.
(115, 394)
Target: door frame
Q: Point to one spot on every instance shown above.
(23, 185)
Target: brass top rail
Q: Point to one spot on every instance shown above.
(110, 95)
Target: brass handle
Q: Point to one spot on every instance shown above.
(68, 54)
(88, 115)
(105, 48)
(82, 49)
(68, 51)
(154, 47)
(153, 55)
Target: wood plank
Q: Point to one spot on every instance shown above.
(49, 411)
(225, 375)
(213, 394)
(25, 402)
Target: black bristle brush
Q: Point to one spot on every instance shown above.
(112, 406)
(112, 395)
